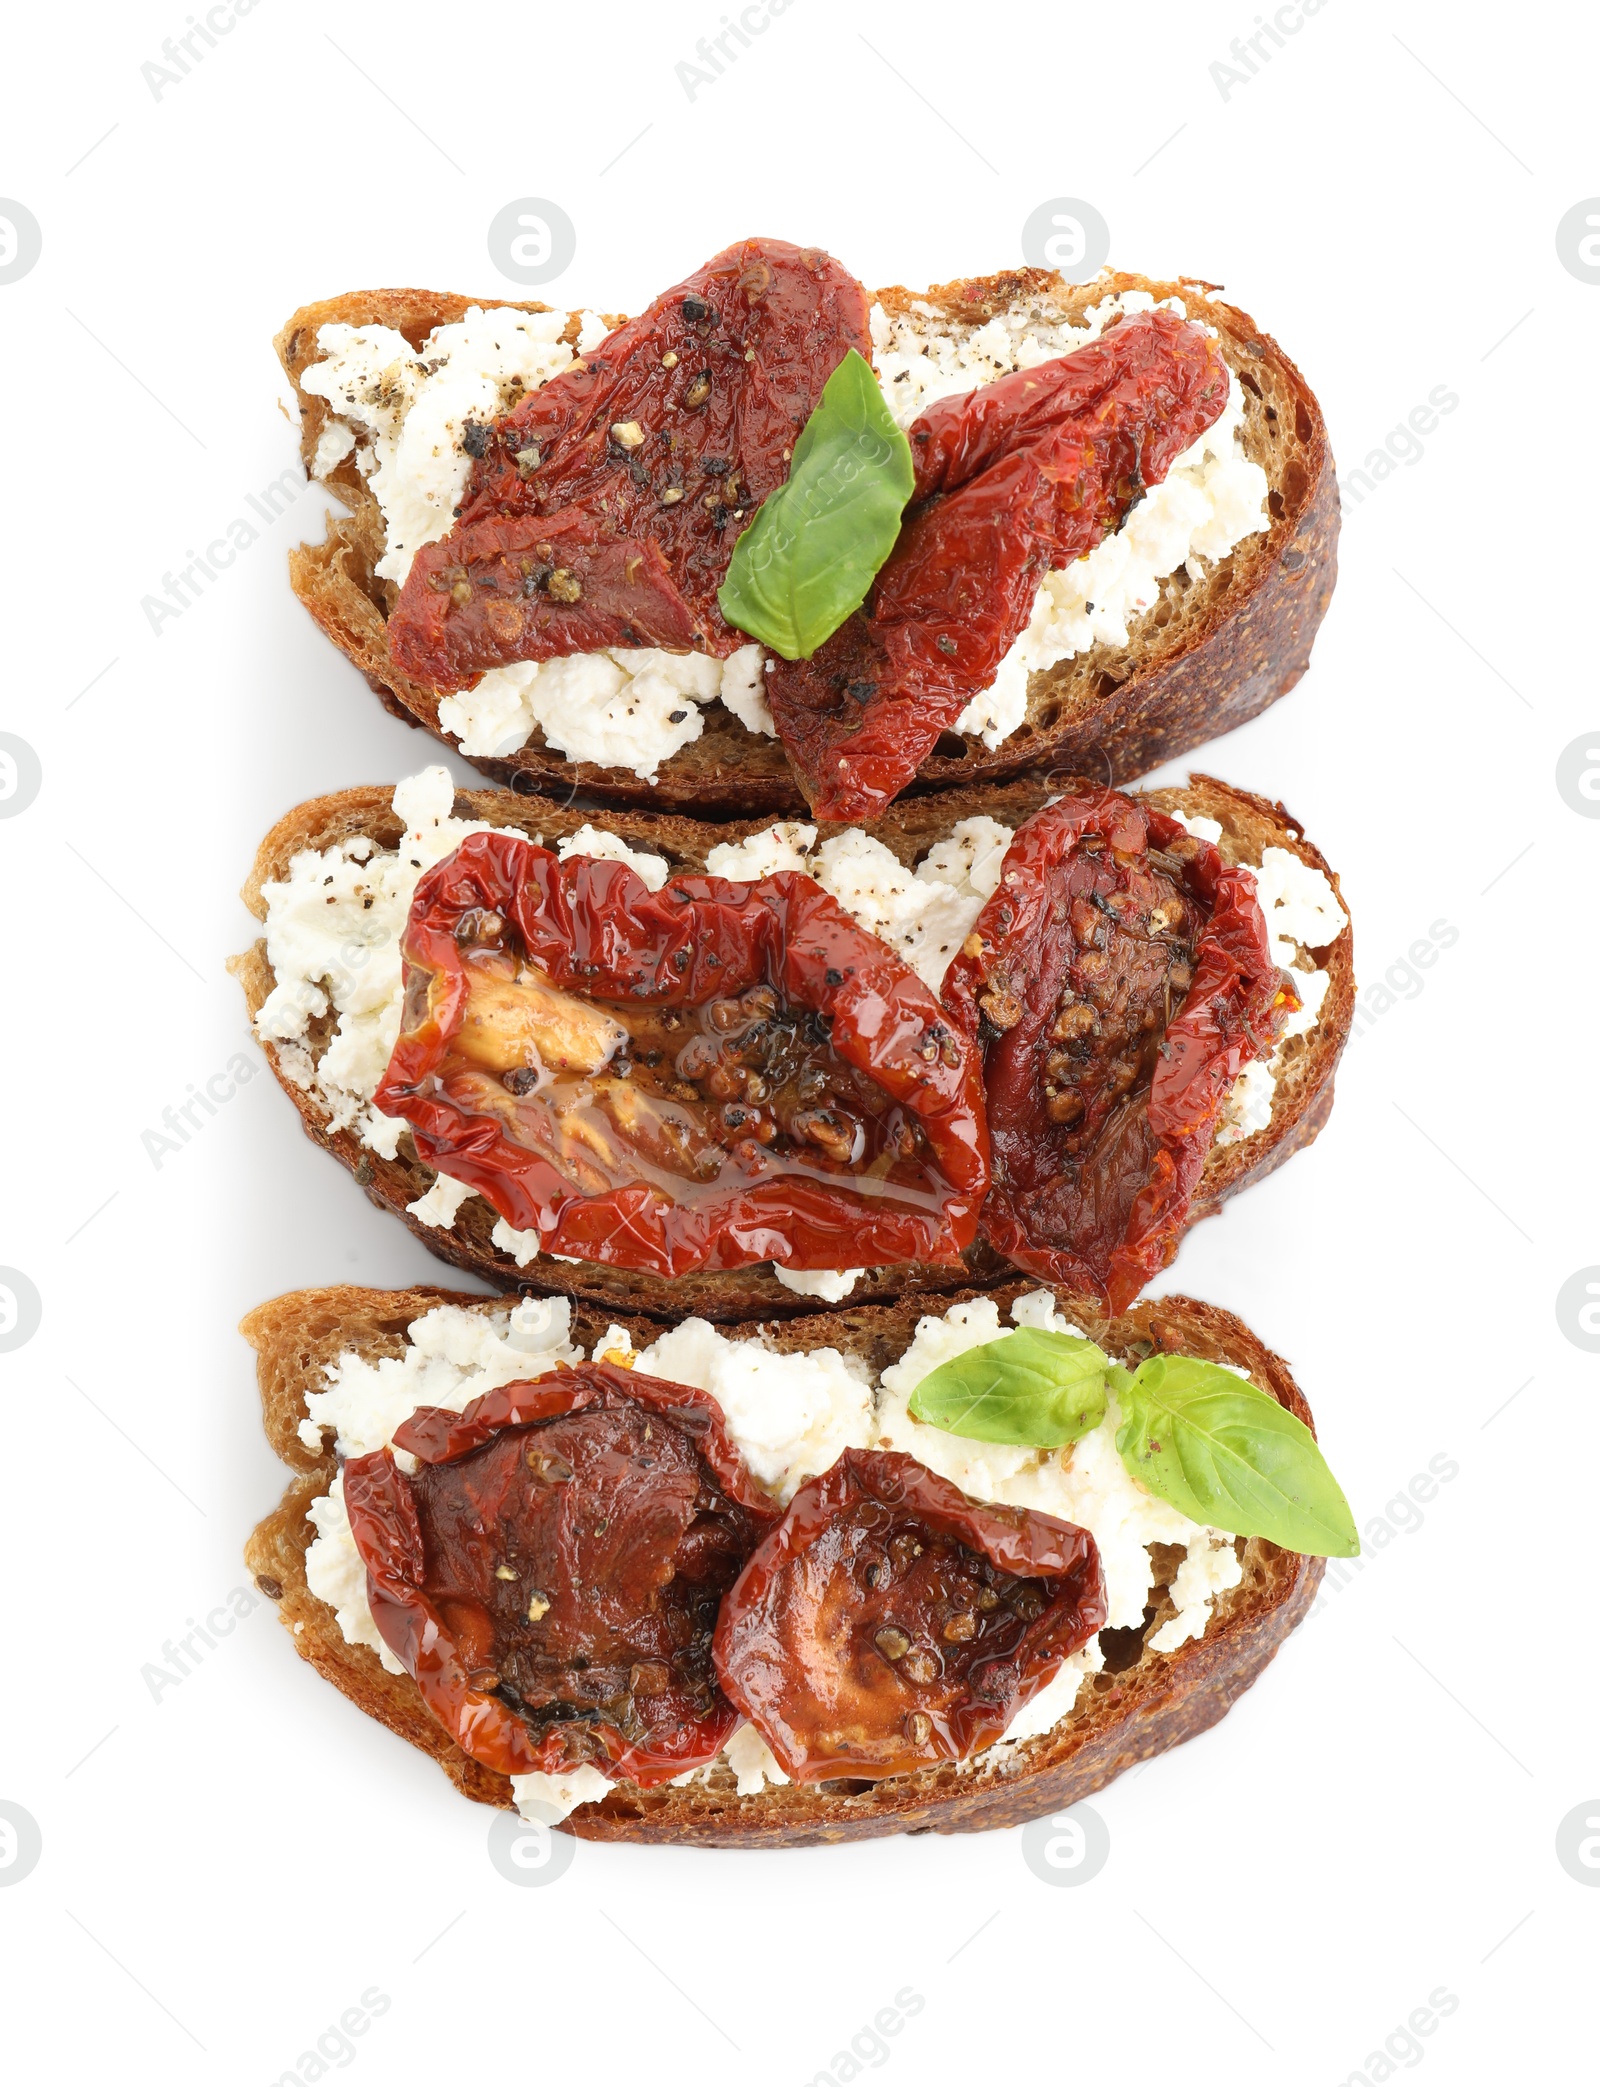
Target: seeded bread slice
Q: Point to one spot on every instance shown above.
(1207, 655)
(1301, 1101)
(1141, 1704)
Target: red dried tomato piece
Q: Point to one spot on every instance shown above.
(702, 1077)
(603, 509)
(551, 1576)
(1125, 976)
(889, 1622)
(1014, 479)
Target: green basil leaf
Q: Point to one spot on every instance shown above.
(1221, 1452)
(1033, 1388)
(806, 561)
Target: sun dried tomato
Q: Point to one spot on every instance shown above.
(706, 1076)
(1014, 479)
(1123, 977)
(552, 1574)
(603, 510)
(889, 1622)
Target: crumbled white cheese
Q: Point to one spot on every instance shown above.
(333, 941)
(334, 444)
(996, 711)
(548, 1799)
(971, 858)
(752, 1761)
(438, 1204)
(832, 1285)
(744, 692)
(790, 1415)
(623, 708)
(1207, 1570)
(412, 407)
(922, 355)
(1247, 1107)
(924, 915)
(452, 1356)
(1303, 913)
(616, 1345)
(653, 870)
(1038, 1308)
(1056, 1699)
(523, 1247)
(336, 1575)
(787, 845)
(1302, 908)
(494, 715)
(1200, 826)
(592, 331)
(1312, 986)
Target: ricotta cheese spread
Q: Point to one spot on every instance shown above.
(403, 412)
(790, 1416)
(333, 941)
(831, 1285)
(651, 870)
(924, 914)
(1303, 913)
(618, 709)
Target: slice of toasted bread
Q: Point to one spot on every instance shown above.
(1207, 655)
(1142, 1703)
(1302, 1098)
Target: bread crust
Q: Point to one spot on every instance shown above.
(1206, 657)
(1144, 1702)
(1302, 1098)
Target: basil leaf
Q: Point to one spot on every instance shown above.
(1033, 1388)
(1220, 1451)
(806, 561)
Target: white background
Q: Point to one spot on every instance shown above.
(227, 1869)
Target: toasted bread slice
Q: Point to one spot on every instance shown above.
(1207, 655)
(1141, 1704)
(1302, 1098)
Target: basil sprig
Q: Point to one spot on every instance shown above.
(1207, 1442)
(806, 561)
(1032, 1388)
